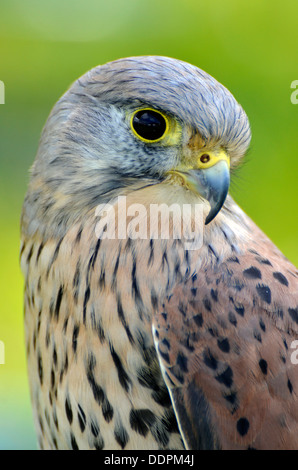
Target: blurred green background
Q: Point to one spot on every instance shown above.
(251, 47)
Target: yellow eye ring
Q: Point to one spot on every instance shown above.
(149, 125)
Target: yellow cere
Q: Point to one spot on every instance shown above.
(209, 159)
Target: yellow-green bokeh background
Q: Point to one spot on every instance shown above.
(251, 47)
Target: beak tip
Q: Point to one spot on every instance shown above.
(212, 184)
(219, 182)
(212, 214)
(208, 219)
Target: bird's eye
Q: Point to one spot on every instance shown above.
(149, 125)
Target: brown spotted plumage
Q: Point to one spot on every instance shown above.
(146, 342)
(224, 338)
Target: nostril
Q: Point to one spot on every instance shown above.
(205, 158)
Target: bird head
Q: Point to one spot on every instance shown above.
(138, 120)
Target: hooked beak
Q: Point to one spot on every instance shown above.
(211, 180)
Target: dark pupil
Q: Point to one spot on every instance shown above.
(149, 124)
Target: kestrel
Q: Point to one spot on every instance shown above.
(146, 342)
